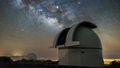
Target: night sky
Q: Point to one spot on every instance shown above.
(30, 26)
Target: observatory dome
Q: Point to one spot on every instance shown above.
(79, 35)
(79, 45)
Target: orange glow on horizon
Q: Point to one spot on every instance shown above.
(17, 53)
(108, 61)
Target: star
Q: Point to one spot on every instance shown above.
(79, 2)
(57, 7)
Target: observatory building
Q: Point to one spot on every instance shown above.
(79, 45)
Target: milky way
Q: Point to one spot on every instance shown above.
(29, 26)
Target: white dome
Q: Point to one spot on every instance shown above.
(79, 35)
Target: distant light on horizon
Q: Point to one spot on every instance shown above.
(108, 61)
(17, 53)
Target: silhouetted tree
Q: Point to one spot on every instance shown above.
(114, 64)
(5, 59)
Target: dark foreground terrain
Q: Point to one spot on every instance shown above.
(45, 66)
(37, 66)
(7, 62)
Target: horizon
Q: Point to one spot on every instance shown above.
(106, 61)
